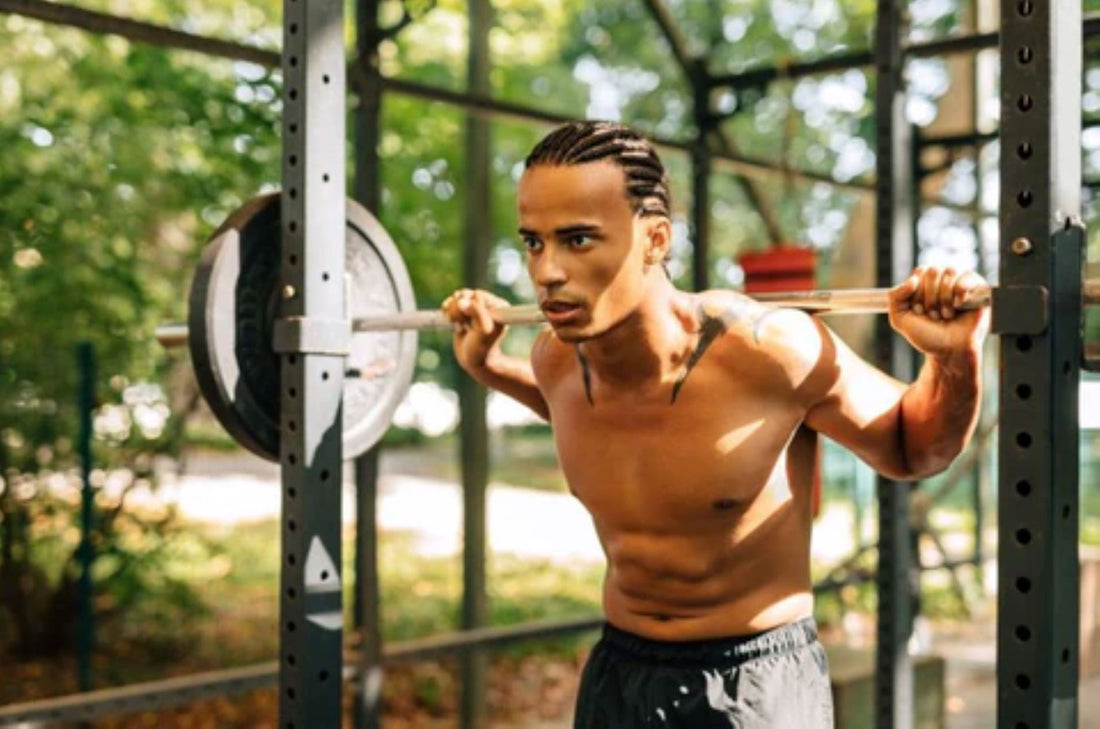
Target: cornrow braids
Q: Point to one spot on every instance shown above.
(579, 142)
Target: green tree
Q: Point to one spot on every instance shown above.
(118, 159)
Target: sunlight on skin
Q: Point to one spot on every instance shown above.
(778, 483)
(801, 602)
(728, 442)
(876, 394)
(784, 327)
(777, 480)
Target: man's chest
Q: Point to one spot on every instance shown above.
(711, 451)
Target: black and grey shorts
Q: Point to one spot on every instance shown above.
(774, 680)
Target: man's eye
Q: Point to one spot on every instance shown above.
(531, 243)
(578, 241)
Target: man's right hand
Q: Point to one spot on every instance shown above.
(477, 335)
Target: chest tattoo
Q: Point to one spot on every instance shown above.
(714, 322)
(586, 376)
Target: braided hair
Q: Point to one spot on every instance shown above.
(579, 142)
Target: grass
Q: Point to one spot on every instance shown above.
(420, 595)
(234, 573)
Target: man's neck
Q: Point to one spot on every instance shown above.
(650, 346)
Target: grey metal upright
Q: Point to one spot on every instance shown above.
(701, 166)
(894, 259)
(368, 187)
(1038, 312)
(312, 318)
(85, 636)
(474, 427)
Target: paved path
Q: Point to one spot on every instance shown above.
(972, 681)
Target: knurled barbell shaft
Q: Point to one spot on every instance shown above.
(835, 301)
(838, 301)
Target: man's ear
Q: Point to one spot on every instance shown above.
(659, 239)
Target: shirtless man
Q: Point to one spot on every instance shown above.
(685, 423)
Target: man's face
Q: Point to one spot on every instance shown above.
(586, 249)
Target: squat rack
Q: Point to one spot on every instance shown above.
(1034, 690)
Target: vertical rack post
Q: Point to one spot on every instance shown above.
(1040, 276)
(894, 259)
(312, 376)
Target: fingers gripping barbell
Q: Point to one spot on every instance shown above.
(233, 308)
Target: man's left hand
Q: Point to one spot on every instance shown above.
(924, 309)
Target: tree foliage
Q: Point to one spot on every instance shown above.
(119, 158)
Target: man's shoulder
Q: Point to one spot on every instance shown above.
(763, 327)
(773, 336)
(549, 354)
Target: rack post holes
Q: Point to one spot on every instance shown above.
(1040, 249)
(311, 383)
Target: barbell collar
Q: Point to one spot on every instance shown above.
(311, 335)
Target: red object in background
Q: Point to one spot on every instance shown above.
(785, 268)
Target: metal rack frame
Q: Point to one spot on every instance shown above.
(1038, 513)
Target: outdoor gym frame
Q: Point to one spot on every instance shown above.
(1041, 57)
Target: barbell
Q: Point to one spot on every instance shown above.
(838, 301)
(234, 302)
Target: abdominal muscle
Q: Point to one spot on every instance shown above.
(719, 575)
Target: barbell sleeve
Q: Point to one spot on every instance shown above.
(826, 301)
(171, 335)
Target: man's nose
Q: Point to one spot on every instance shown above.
(546, 269)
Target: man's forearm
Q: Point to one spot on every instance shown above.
(939, 412)
(513, 377)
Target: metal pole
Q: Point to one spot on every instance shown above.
(894, 248)
(85, 353)
(1090, 26)
(368, 610)
(1041, 249)
(367, 186)
(701, 164)
(472, 397)
(980, 470)
(311, 382)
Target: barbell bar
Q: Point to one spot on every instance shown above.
(825, 301)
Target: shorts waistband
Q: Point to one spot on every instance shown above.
(713, 651)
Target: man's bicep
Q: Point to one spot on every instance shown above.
(859, 409)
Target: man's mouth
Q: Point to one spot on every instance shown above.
(560, 312)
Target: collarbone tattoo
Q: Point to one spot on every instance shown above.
(714, 321)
